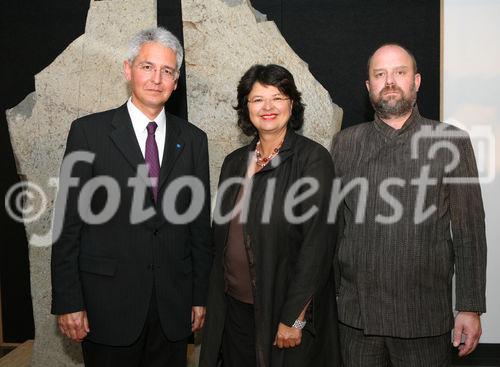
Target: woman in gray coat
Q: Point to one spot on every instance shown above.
(271, 297)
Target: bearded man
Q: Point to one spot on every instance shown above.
(410, 217)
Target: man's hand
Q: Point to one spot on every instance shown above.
(74, 325)
(197, 318)
(469, 325)
(287, 337)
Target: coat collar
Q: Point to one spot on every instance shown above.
(285, 152)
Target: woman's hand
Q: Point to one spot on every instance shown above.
(287, 337)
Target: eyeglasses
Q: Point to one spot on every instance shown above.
(165, 72)
(275, 101)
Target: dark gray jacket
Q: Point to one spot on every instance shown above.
(396, 279)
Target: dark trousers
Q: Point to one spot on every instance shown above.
(359, 350)
(238, 339)
(151, 349)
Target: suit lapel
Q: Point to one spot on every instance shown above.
(174, 145)
(123, 136)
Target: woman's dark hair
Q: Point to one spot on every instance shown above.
(278, 77)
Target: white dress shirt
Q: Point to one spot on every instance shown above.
(140, 121)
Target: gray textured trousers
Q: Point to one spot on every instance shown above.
(359, 350)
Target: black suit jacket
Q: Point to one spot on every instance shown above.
(111, 269)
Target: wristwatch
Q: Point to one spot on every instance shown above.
(299, 324)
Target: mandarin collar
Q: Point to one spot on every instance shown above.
(390, 132)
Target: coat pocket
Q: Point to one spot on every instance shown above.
(97, 265)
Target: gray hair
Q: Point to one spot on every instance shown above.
(159, 35)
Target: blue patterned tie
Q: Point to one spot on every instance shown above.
(152, 158)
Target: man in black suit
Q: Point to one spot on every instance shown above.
(396, 254)
(132, 285)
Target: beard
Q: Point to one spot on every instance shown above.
(393, 106)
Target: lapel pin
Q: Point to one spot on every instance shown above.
(178, 146)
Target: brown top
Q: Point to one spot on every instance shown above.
(237, 270)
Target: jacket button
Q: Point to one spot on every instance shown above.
(150, 266)
(155, 232)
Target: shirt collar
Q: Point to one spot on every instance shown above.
(140, 121)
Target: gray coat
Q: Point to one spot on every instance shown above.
(396, 279)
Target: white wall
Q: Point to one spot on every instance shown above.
(471, 96)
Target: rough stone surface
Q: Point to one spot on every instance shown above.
(86, 77)
(223, 38)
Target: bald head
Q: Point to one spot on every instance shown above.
(392, 82)
(394, 49)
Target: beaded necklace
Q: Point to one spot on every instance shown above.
(262, 161)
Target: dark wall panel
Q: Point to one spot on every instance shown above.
(335, 37)
(170, 17)
(32, 34)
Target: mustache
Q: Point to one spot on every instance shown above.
(391, 88)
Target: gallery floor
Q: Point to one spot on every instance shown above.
(21, 357)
